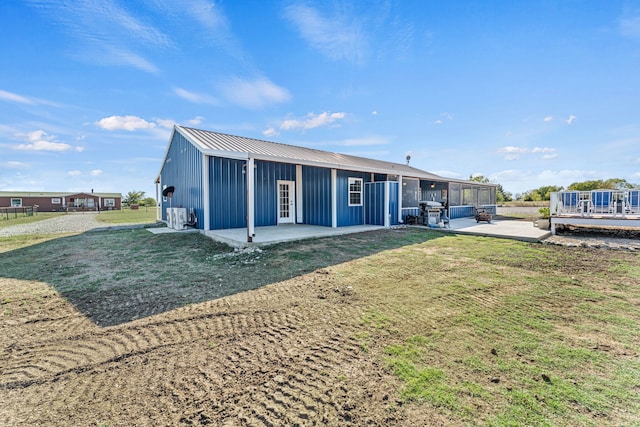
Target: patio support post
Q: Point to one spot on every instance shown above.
(205, 193)
(250, 200)
(334, 198)
(299, 217)
(387, 208)
(400, 219)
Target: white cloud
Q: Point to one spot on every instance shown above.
(571, 119)
(195, 121)
(339, 37)
(365, 141)
(196, 98)
(548, 119)
(270, 132)
(39, 140)
(74, 173)
(96, 172)
(443, 116)
(14, 97)
(254, 93)
(514, 153)
(630, 27)
(21, 99)
(129, 123)
(312, 121)
(374, 113)
(16, 165)
(165, 123)
(105, 32)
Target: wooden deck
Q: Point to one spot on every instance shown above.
(596, 221)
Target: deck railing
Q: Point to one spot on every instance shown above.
(616, 203)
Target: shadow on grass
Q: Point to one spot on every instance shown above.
(114, 277)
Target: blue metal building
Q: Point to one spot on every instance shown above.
(228, 181)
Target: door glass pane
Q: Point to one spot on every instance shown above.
(284, 201)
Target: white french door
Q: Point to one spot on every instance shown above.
(286, 202)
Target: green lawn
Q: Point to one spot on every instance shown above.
(143, 215)
(485, 331)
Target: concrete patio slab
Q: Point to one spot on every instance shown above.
(237, 237)
(508, 229)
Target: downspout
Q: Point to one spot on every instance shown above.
(299, 206)
(206, 199)
(334, 198)
(400, 219)
(387, 210)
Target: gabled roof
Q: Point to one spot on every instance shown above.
(223, 145)
(55, 194)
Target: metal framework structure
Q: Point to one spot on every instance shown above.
(596, 208)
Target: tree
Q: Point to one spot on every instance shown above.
(148, 201)
(599, 184)
(133, 198)
(541, 194)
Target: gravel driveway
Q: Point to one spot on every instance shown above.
(69, 223)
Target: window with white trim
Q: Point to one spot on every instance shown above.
(355, 191)
(16, 203)
(109, 203)
(56, 200)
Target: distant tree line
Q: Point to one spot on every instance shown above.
(137, 198)
(544, 193)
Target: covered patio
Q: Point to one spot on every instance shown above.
(237, 237)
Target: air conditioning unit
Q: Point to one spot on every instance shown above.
(180, 218)
(170, 217)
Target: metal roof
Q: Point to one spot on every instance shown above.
(223, 145)
(54, 194)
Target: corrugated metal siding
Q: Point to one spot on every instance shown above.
(183, 170)
(460, 212)
(374, 203)
(409, 211)
(316, 195)
(266, 190)
(227, 186)
(349, 215)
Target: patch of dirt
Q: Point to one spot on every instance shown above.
(291, 353)
(285, 354)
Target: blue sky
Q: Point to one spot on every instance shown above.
(527, 93)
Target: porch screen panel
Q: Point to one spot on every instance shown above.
(469, 196)
(484, 196)
(410, 193)
(455, 195)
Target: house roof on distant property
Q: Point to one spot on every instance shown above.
(55, 194)
(230, 146)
